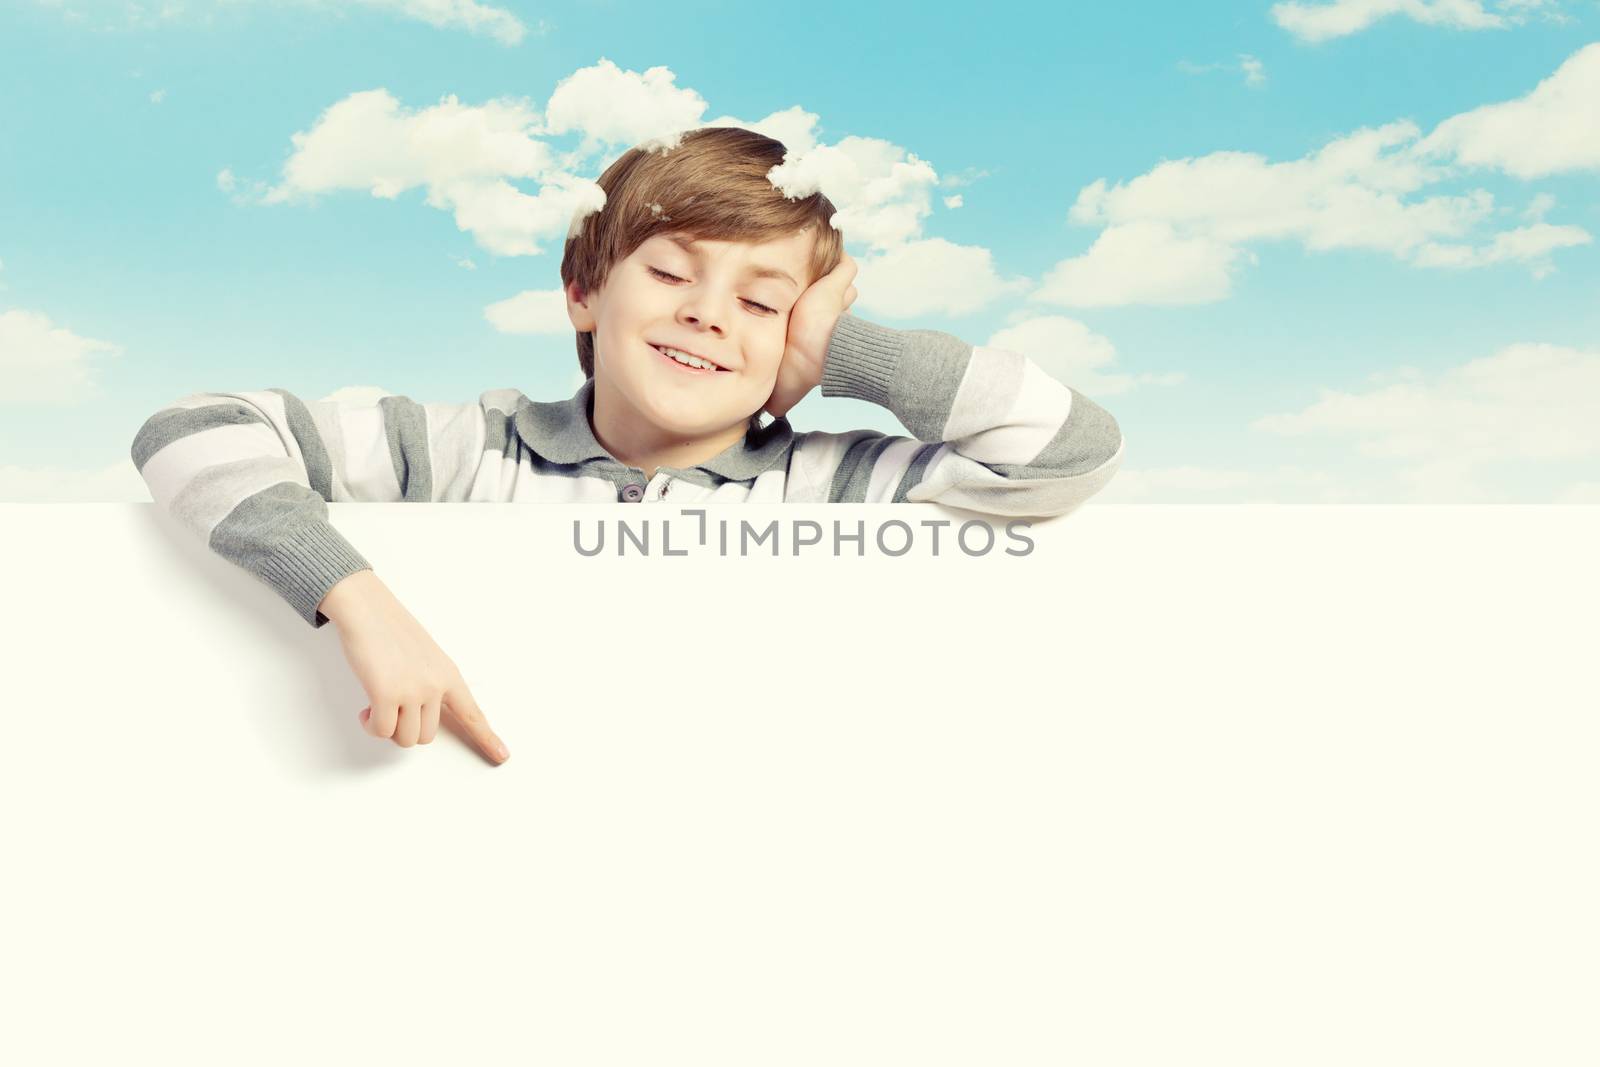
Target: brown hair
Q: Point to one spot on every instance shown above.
(714, 187)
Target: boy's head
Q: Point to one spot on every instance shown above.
(674, 257)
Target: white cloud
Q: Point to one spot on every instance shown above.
(953, 202)
(466, 158)
(1340, 18)
(794, 126)
(1346, 195)
(1070, 352)
(463, 156)
(536, 311)
(482, 19)
(611, 106)
(1255, 72)
(43, 364)
(882, 192)
(158, 96)
(1142, 262)
(1539, 207)
(1467, 435)
(1529, 402)
(930, 276)
(1174, 234)
(956, 181)
(1526, 244)
(1552, 130)
(367, 141)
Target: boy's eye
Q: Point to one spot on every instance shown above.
(675, 278)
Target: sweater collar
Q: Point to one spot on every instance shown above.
(559, 431)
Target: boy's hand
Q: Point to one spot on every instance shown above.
(409, 678)
(811, 323)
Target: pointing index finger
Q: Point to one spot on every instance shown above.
(464, 712)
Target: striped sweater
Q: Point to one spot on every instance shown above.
(251, 472)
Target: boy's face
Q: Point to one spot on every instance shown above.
(708, 299)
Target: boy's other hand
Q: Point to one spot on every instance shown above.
(811, 323)
(409, 679)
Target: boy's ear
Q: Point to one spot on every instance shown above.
(582, 317)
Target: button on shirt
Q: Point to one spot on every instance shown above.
(631, 493)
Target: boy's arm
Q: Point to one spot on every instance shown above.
(993, 432)
(251, 473)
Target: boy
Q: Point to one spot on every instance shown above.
(701, 296)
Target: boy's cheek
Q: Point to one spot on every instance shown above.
(765, 378)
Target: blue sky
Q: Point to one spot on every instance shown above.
(1338, 251)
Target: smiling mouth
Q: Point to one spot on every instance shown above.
(685, 367)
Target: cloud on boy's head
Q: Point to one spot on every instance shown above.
(882, 192)
(611, 106)
(473, 160)
(466, 157)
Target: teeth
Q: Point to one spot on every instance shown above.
(684, 357)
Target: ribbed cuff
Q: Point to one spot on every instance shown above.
(310, 563)
(861, 360)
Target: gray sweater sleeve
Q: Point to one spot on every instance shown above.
(251, 474)
(993, 432)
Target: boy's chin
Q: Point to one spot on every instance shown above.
(697, 420)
